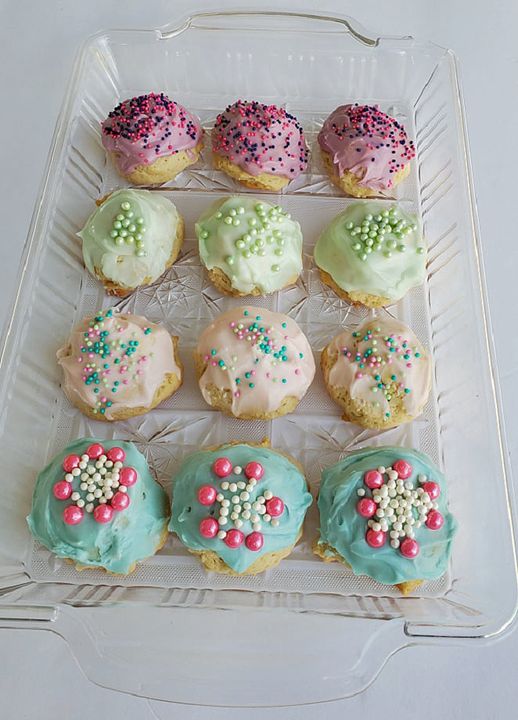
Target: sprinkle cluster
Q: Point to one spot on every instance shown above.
(108, 363)
(262, 135)
(398, 508)
(384, 131)
(261, 337)
(126, 229)
(258, 237)
(233, 504)
(149, 120)
(381, 233)
(97, 482)
(375, 357)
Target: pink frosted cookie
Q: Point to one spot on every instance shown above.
(151, 138)
(261, 146)
(366, 151)
(254, 364)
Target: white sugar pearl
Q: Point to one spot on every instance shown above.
(398, 526)
(108, 494)
(380, 513)
(247, 506)
(75, 496)
(98, 465)
(376, 526)
(254, 518)
(82, 465)
(394, 543)
(90, 487)
(223, 511)
(84, 476)
(80, 503)
(248, 487)
(109, 464)
(102, 501)
(103, 471)
(407, 494)
(219, 497)
(123, 489)
(256, 526)
(117, 464)
(96, 476)
(244, 495)
(235, 499)
(261, 499)
(232, 487)
(103, 459)
(419, 491)
(256, 505)
(422, 478)
(360, 492)
(425, 498)
(275, 522)
(435, 505)
(394, 534)
(115, 483)
(238, 470)
(394, 503)
(222, 520)
(222, 534)
(381, 469)
(370, 523)
(407, 528)
(418, 524)
(241, 485)
(410, 534)
(90, 497)
(234, 516)
(107, 483)
(115, 476)
(76, 472)
(392, 493)
(384, 525)
(83, 486)
(267, 517)
(384, 503)
(268, 494)
(98, 493)
(238, 523)
(383, 491)
(89, 508)
(261, 510)
(391, 485)
(392, 475)
(69, 477)
(90, 469)
(389, 512)
(225, 503)
(85, 458)
(246, 514)
(237, 508)
(224, 486)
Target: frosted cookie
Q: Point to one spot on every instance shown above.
(249, 247)
(117, 366)
(151, 138)
(97, 505)
(366, 152)
(384, 513)
(131, 239)
(239, 507)
(371, 254)
(261, 146)
(254, 364)
(379, 373)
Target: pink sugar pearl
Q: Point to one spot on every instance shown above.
(208, 527)
(62, 490)
(366, 507)
(222, 467)
(103, 514)
(72, 515)
(254, 541)
(206, 494)
(254, 470)
(375, 538)
(435, 520)
(116, 454)
(409, 548)
(119, 501)
(403, 468)
(373, 479)
(234, 538)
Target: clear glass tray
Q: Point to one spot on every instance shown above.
(310, 64)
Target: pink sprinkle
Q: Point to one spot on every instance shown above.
(409, 364)
(79, 360)
(125, 382)
(297, 371)
(252, 372)
(237, 394)
(139, 372)
(359, 375)
(103, 399)
(90, 355)
(268, 375)
(214, 363)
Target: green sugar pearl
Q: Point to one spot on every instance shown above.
(276, 268)
(228, 220)
(229, 260)
(204, 234)
(125, 206)
(420, 250)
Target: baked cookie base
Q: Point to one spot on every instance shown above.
(356, 297)
(170, 385)
(328, 554)
(263, 181)
(350, 183)
(362, 412)
(121, 291)
(223, 283)
(163, 169)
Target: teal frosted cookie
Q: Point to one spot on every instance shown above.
(97, 504)
(384, 512)
(131, 239)
(371, 254)
(249, 247)
(240, 508)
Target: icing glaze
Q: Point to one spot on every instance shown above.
(114, 361)
(261, 139)
(387, 546)
(255, 244)
(260, 501)
(380, 359)
(374, 249)
(141, 245)
(142, 129)
(367, 142)
(92, 525)
(261, 356)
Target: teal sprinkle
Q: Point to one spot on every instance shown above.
(247, 375)
(102, 411)
(393, 377)
(251, 385)
(116, 383)
(147, 331)
(407, 390)
(238, 380)
(245, 313)
(417, 355)
(284, 380)
(106, 366)
(221, 363)
(213, 352)
(116, 361)
(284, 325)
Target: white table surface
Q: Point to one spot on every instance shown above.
(39, 677)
